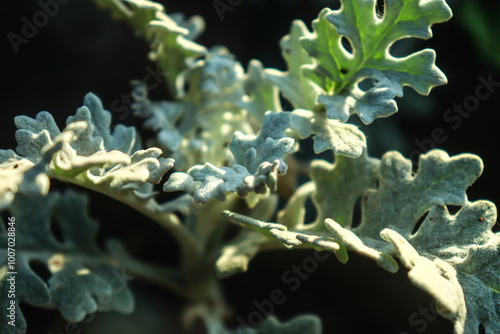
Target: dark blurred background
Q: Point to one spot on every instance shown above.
(82, 49)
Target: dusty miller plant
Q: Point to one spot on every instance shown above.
(225, 141)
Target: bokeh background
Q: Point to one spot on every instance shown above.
(82, 49)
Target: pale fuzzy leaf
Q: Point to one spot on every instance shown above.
(214, 99)
(259, 161)
(82, 280)
(465, 240)
(29, 175)
(88, 153)
(343, 139)
(34, 134)
(352, 242)
(12, 170)
(269, 145)
(440, 180)
(99, 136)
(237, 254)
(424, 274)
(289, 238)
(339, 185)
(454, 258)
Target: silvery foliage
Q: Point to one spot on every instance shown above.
(228, 133)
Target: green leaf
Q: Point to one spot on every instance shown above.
(263, 93)
(300, 91)
(339, 72)
(83, 278)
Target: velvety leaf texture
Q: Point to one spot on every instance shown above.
(258, 162)
(85, 153)
(228, 133)
(214, 98)
(452, 257)
(339, 71)
(82, 279)
(344, 139)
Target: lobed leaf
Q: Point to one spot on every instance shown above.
(454, 258)
(258, 162)
(339, 71)
(299, 90)
(82, 280)
(343, 139)
(86, 153)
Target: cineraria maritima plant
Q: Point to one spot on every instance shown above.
(221, 148)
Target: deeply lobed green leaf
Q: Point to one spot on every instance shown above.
(339, 71)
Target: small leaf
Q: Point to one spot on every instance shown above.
(259, 160)
(269, 145)
(263, 94)
(300, 91)
(343, 139)
(303, 324)
(237, 254)
(99, 136)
